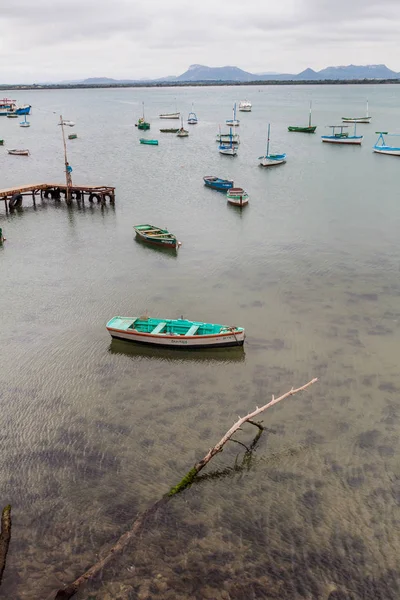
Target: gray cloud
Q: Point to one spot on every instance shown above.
(121, 38)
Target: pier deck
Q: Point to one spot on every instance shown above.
(13, 197)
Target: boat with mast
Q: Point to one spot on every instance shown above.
(229, 149)
(306, 129)
(182, 131)
(341, 136)
(142, 123)
(24, 123)
(270, 160)
(234, 122)
(225, 137)
(365, 119)
(192, 117)
(382, 148)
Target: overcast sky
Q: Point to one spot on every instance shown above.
(54, 40)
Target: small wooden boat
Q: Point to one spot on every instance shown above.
(237, 196)
(72, 136)
(175, 115)
(342, 137)
(157, 236)
(245, 106)
(18, 152)
(234, 122)
(12, 115)
(216, 183)
(175, 333)
(270, 160)
(182, 131)
(228, 149)
(148, 142)
(382, 148)
(365, 119)
(67, 123)
(169, 130)
(142, 123)
(307, 129)
(192, 118)
(225, 137)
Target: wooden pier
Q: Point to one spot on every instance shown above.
(13, 197)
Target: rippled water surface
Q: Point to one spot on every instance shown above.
(94, 431)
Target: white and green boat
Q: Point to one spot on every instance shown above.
(175, 333)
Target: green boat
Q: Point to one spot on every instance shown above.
(169, 130)
(1, 142)
(306, 129)
(142, 123)
(149, 142)
(175, 333)
(72, 136)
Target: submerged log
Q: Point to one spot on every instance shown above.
(139, 524)
(5, 537)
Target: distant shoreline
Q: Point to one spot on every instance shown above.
(167, 84)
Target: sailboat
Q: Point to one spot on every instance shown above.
(24, 123)
(192, 118)
(142, 124)
(382, 148)
(225, 137)
(182, 131)
(342, 137)
(365, 119)
(228, 149)
(270, 160)
(307, 129)
(233, 122)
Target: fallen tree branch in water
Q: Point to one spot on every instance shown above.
(5, 537)
(140, 522)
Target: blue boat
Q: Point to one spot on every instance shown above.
(218, 184)
(228, 149)
(23, 110)
(382, 148)
(234, 122)
(342, 137)
(192, 118)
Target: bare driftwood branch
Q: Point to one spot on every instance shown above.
(140, 522)
(5, 537)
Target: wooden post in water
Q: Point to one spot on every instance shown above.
(68, 177)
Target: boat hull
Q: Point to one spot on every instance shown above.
(352, 140)
(271, 162)
(148, 142)
(233, 122)
(221, 185)
(224, 138)
(228, 151)
(303, 129)
(170, 116)
(237, 197)
(224, 340)
(356, 119)
(387, 150)
(23, 110)
(18, 152)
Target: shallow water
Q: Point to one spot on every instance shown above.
(94, 431)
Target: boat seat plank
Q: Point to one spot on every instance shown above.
(158, 328)
(192, 330)
(158, 235)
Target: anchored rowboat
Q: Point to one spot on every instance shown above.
(72, 136)
(175, 333)
(169, 130)
(18, 152)
(155, 235)
(218, 184)
(176, 115)
(237, 196)
(149, 142)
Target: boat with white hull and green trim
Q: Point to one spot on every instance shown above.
(175, 333)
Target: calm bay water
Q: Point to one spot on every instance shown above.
(93, 432)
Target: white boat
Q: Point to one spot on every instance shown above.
(342, 137)
(365, 119)
(175, 115)
(228, 148)
(245, 106)
(237, 196)
(18, 152)
(192, 118)
(67, 123)
(271, 160)
(175, 333)
(382, 148)
(234, 122)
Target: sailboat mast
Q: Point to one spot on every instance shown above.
(143, 109)
(68, 178)
(309, 118)
(367, 109)
(269, 128)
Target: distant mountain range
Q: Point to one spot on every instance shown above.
(199, 73)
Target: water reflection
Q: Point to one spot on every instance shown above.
(177, 354)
